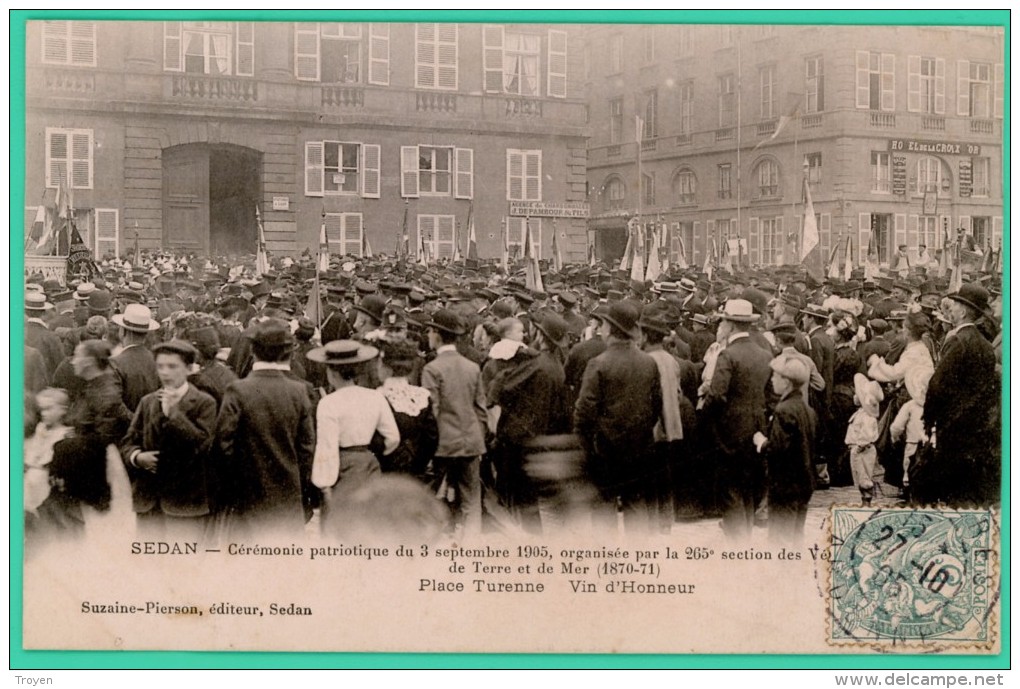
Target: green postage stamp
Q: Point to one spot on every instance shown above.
(913, 578)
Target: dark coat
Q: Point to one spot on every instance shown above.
(335, 326)
(532, 396)
(266, 438)
(46, 341)
(789, 452)
(823, 353)
(36, 375)
(180, 485)
(735, 404)
(213, 379)
(136, 370)
(577, 362)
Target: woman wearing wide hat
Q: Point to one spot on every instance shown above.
(347, 419)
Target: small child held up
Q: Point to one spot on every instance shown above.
(861, 435)
(52, 404)
(908, 421)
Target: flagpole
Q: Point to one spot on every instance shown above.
(739, 100)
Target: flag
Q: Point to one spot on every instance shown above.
(79, 256)
(654, 268)
(533, 276)
(681, 255)
(637, 266)
(710, 256)
(848, 259)
(423, 254)
(665, 247)
(833, 271)
(810, 257)
(456, 244)
(138, 252)
(505, 257)
(956, 279)
(41, 234)
(557, 256)
(366, 248)
(871, 268)
(261, 259)
(472, 247)
(313, 308)
(987, 261)
(592, 258)
(403, 243)
(784, 120)
(740, 253)
(323, 264)
(944, 256)
(629, 249)
(726, 261)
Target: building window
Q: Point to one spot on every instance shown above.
(333, 53)
(439, 234)
(814, 84)
(69, 158)
(515, 236)
(650, 125)
(213, 48)
(979, 229)
(725, 181)
(523, 175)
(648, 44)
(615, 194)
(69, 43)
(436, 171)
(685, 187)
(686, 93)
(926, 85)
(929, 175)
(334, 168)
(648, 189)
(435, 57)
(511, 61)
(814, 161)
(727, 100)
(767, 80)
(980, 89)
(341, 53)
(616, 53)
(876, 81)
(981, 170)
(771, 241)
(434, 175)
(685, 42)
(881, 176)
(346, 231)
(927, 231)
(767, 175)
(615, 120)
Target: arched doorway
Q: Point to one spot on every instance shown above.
(209, 196)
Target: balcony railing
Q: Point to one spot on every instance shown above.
(766, 128)
(523, 107)
(982, 127)
(813, 120)
(215, 88)
(883, 119)
(75, 81)
(343, 96)
(614, 150)
(427, 101)
(724, 133)
(649, 144)
(933, 124)
(684, 139)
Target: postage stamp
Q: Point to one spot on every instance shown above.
(913, 579)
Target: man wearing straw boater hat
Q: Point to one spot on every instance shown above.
(346, 421)
(134, 364)
(734, 410)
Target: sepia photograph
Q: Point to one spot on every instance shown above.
(350, 333)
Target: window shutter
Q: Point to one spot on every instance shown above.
(964, 223)
(306, 52)
(314, 168)
(83, 44)
(427, 230)
(245, 49)
(780, 240)
(709, 236)
(997, 232)
(424, 56)
(514, 175)
(463, 183)
(379, 54)
(81, 160)
(556, 75)
(444, 236)
(370, 182)
(913, 83)
(825, 230)
(55, 42)
(533, 176)
(107, 233)
(998, 86)
(492, 58)
(940, 86)
(753, 250)
(913, 229)
(864, 235)
(409, 171)
(900, 228)
(963, 88)
(888, 82)
(446, 76)
(173, 60)
(57, 154)
(695, 255)
(352, 229)
(863, 86)
(334, 230)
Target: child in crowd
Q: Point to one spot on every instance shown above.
(908, 421)
(52, 404)
(861, 435)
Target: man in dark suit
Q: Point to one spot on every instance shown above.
(734, 411)
(266, 438)
(134, 365)
(962, 409)
(37, 331)
(823, 353)
(167, 447)
(578, 358)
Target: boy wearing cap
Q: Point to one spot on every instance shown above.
(788, 451)
(166, 449)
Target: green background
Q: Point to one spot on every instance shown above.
(21, 659)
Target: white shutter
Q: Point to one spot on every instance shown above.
(900, 229)
(107, 233)
(409, 171)
(492, 58)
(913, 83)
(57, 156)
(997, 85)
(446, 74)
(514, 175)
(444, 236)
(424, 56)
(352, 229)
(780, 240)
(81, 160)
(379, 54)
(427, 232)
(173, 58)
(83, 44)
(55, 42)
(888, 82)
(913, 230)
(533, 176)
(245, 49)
(825, 230)
(556, 74)
(754, 247)
(464, 166)
(997, 232)
(940, 86)
(306, 52)
(864, 236)
(334, 230)
(863, 80)
(314, 168)
(709, 236)
(963, 88)
(370, 183)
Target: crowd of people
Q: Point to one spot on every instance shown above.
(215, 402)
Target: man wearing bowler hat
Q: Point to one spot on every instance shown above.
(458, 403)
(134, 364)
(617, 408)
(962, 410)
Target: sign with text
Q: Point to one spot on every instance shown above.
(281, 203)
(549, 209)
(958, 148)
